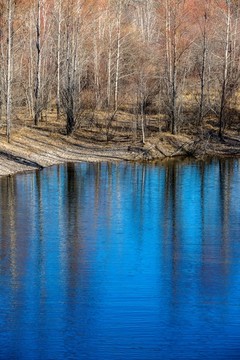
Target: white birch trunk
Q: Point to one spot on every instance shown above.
(109, 70)
(225, 71)
(9, 72)
(59, 56)
(118, 56)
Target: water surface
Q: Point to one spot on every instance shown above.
(121, 261)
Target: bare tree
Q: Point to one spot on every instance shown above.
(204, 29)
(74, 63)
(9, 69)
(118, 53)
(37, 105)
(225, 70)
(59, 28)
(1, 67)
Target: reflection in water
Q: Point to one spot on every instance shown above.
(119, 261)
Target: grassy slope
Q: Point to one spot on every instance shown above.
(46, 145)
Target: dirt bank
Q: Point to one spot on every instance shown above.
(35, 148)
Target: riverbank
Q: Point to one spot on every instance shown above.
(35, 148)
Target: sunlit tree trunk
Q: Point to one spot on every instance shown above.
(142, 119)
(119, 17)
(203, 63)
(177, 65)
(9, 70)
(109, 69)
(170, 29)
(59, 56)
(37, 106)
(1, 67)
(225, 71)
(30, 72)
(98, 40)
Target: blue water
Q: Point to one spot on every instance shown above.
(121, 261)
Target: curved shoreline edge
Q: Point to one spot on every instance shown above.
(32, 149)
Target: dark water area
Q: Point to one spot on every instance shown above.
(121, 261)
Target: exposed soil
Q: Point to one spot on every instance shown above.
(35, 148)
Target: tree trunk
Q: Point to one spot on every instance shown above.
(59, 56)
(70, 117)
(225, 73)
(203, 69)
(9, 72)
(118, 56)
(109, 68)
(30, 72)
(37, 110)
(173, 86)
(170, 33)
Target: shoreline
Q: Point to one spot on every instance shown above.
(35, 148)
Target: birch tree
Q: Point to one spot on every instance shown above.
(99, 52)
(1, 67)
(225, 71)
(204, 30)
(109, 56)
(178, 43)
(231, 64)
(74, 63)
(227, 79)
(9, 69)
(118, 52)
(146, 64)
(59, 35)
(37, 105)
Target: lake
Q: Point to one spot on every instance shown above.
(121, 261)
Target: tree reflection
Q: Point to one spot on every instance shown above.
(90, 247)
(75, 243)
(8, 225)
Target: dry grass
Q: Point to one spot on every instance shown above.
(36, 147)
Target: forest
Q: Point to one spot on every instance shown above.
(139, 66)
